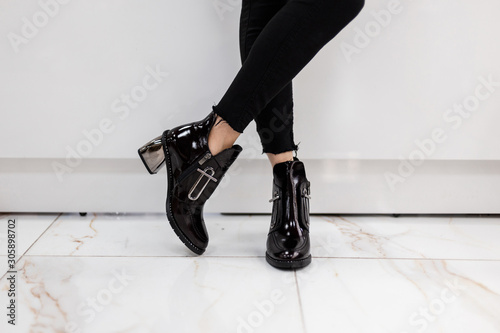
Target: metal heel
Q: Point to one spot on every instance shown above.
(152, 155)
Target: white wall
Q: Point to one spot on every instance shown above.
(357, 114)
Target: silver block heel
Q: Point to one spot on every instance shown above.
(152, 155)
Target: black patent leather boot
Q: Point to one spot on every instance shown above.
(288, 243)
(193, 175)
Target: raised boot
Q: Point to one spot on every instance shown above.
(288, 244)
(193, 175)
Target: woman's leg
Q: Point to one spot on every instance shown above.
(274, 123)
(285, 46)
(198, 154)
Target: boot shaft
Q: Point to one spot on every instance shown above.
(291, 191)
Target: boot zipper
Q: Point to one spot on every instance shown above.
(305, 193)
(205, 158)
(275, 196)
(193, 167)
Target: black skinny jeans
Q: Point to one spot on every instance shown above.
(278, 38)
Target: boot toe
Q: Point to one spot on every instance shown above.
(191, 230)
(288, 255)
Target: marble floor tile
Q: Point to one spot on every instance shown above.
(149, 235)
(383, 236)
(130, 273)
(29, 227)
(245, 235)
(400, 296)
(110, 235)
(139, 295)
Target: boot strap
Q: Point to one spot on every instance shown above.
(208, 172)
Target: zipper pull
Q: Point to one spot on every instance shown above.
(275, 196)
(204, 158)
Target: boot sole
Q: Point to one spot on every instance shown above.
(170, 215)
(288, 264)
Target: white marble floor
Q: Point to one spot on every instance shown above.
(129, 273)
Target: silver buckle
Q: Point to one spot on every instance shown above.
(206, 174)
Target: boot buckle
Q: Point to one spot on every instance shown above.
(208, 172)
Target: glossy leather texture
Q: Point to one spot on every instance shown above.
(193, 175)
(288, 244)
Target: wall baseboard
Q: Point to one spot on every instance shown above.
(337, 187)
